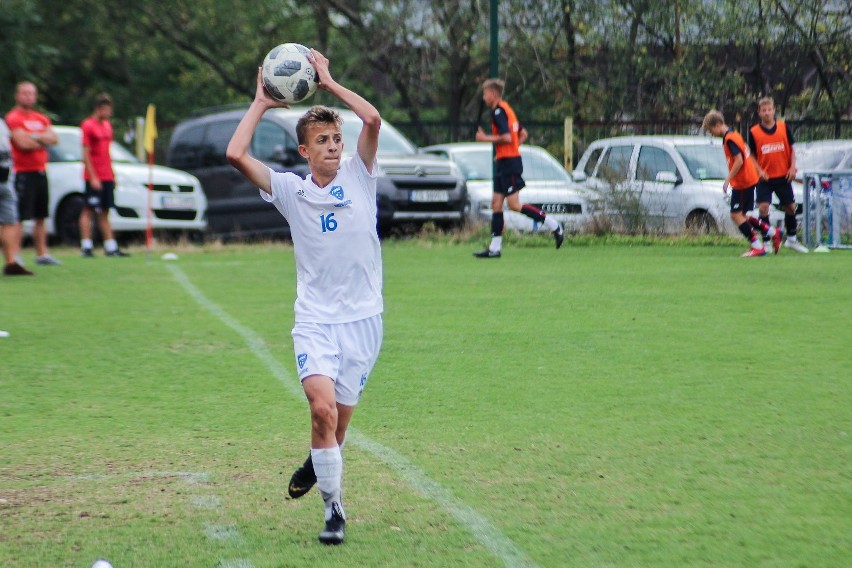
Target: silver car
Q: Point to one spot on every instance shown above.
(676, 181)
(548, 185)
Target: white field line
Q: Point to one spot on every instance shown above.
(483, 531)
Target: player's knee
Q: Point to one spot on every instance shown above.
(324, 416)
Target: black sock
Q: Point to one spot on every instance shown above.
(747, 231)
(496, 224)
(765, 219)
(790, 224)
(759, 225)
(533, 212)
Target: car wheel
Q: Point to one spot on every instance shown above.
(67, 220)
(701, 223)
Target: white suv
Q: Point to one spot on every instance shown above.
(676, 180)
(177, 200)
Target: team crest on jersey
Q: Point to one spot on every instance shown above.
(301, 359)
(337, 192)
(301, 193)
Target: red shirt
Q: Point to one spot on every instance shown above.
(32, 122)
(97, 136)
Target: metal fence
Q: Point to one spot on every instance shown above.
(827, 209)
(551, 135)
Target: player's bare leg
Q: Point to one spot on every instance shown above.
(325, 454)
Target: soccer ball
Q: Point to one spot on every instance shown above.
(288, 75)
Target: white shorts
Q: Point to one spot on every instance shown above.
(345, 352)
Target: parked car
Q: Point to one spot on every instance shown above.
(676, 180)
(412, 187)
(823, 156)
(549, 186)
(178, 202)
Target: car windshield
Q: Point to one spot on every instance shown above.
(390, 139)
(704, 161)
(815, 159)
(69, 149)
(538, 165)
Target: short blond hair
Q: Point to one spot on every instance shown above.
(765, 101)
(496, 85)
(316, 115)
(714, 118)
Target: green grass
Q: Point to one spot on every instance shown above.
(635, 403)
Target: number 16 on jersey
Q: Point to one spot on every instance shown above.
(328, 222)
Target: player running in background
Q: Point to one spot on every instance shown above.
(332, 217)
(507, 134)
(772, 151)
(742, 177)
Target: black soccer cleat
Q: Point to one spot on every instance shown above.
(487, 253)
(559, 235)
(333, 533)
(118, 253)
(87, 252)
(302, 479)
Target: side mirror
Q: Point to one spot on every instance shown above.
(669, 177)
(578, 176)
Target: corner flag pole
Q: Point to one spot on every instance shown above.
(150, 137)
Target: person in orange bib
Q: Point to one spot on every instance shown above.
(507, 135)
(742, 178)
(772, 152)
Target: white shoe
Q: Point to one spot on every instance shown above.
(796, 246)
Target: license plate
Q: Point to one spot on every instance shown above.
(429, 196)
(178, 202)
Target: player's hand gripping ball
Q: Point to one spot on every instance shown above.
(287, 73)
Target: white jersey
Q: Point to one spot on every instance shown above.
(338, 257)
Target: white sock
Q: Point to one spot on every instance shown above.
(86, 243)
(328, 467)
(551, 224)
(771, 232)
(496, 244)
(757, 244)
(110, 245)
(792, 238)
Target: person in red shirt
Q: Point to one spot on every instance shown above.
(507, 135)
(99, 178)
(771, 145)
(32, 132)
(742, 177)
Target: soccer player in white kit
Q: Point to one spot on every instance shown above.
(332, 217)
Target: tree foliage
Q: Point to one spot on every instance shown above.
(419, 61)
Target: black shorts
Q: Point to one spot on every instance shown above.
(33, 197)
(783, 190)
(101, 200)
(509, 178)
(742, 200)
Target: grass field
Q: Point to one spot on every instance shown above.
(601, 405)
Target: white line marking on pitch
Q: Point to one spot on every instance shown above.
(489, 535)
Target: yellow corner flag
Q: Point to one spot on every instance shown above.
(150, 129)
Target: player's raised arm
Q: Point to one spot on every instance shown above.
(237, 152)
(368, 141)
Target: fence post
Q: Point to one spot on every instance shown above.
(568, 150)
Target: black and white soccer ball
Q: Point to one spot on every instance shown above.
(288, 75)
